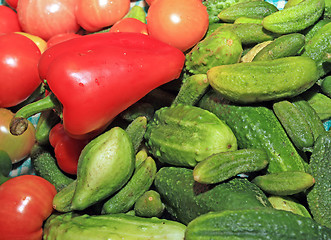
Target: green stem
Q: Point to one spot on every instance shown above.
(19, 123)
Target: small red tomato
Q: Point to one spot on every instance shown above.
(19, 57)
(46, 18)
(180, 23)
(26, 202)
(8, 20)
(12, 3)
(17, 147)
(61, 38)
(93, 15)
(129, 25)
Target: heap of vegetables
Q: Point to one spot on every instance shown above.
(186, 119)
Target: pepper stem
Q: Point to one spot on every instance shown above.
(19, 123)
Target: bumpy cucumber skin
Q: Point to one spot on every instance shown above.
(263, 223)
(290, 204)
(264, 80)
(112, 226)
(46, 121)
(283, 46)
(257, 127)
(295, 18)
(319, 49)
(252, 9)
(284, 183)
(186, 199)
(104, 166)
(222, 166)
(248, 20)
(319, 196)
(326, 86)
(327, 10)
(183, 135)
(218, 48)
(294, 123)
(320, 103)
(139, 183)
(62, 200)
(312, 30)
(136, 131)
(149, 205)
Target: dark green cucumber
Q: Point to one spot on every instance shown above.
(320, 102)
(5, 166)
(111, 226)
(284, 183)
(312, 30)
(295, 18)
(139, 109)
(262, 223)
(319, 196)
(283, 46)
(136, 131)
(149, 205)
(222, 166)
(326, 86)
(192, 90)
(140, 182)
(252, 9)
(257, 127)
(294, 123)
(47, 120)
(186, 199)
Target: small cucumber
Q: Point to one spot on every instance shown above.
(283, 46)
(327, 10)
(294, 123)
(252, 9)
(319, 102)
(139, 183)
(47, 120)
(249, 56)
(287, 203)
(149, 205)
(191, 90)
(62, 200)
(326, 86)
(312, 30)
(139, 109)
(295, 18)
(248, 20)
(136, 131)
(262, 223)
(249, 82)
(222, 166)
(284, 183)
(141, 156)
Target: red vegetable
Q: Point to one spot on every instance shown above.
(129, 25)
(26, 202)
(8, 20)
(12, 3)
(66, 148)
(61, 38)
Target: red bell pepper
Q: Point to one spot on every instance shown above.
(95, 77)
(66, 149)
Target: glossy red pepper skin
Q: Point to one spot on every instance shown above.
(66, 149)
(96, 77)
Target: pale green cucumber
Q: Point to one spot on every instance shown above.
(290, 204)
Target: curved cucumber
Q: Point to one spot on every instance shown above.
(149, 205)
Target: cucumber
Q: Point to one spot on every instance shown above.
(141, 156)
(139, 109)
(62, 200)
(139, 183)
(291, 3)
(312, 30)
(262, 223)
(319, 196)
(250, 82)
(319, 102)
(249, 56)
(257, 127)
(136, 131)
(283, 46)
(47, 120)
(327, 10)
(251, 9)
(284, 183)
(5, 166)
(326, 86)
(295, 124)
(248, 20)
(111, 226)
(186, 199)
(149, 205)
(295, 18)
(222, 166)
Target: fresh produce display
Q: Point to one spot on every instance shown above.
(165, 119)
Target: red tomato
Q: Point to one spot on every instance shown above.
(149, 2)
(46, 18)
(180, 23)
(12, 3)
(61, 38)
(19, 58)
(17, 147)
(129, 25)
(26, 202)
(8, 20)
(93, 15)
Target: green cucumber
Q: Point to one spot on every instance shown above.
(257, 127)
(141, 156)
(149, 205)
(252, 9)
(327, 10)
(284, 183)
(186, 199)
(248, 20)
(320, 102)
(326, 86)
(136, 131)
(137, 12)
(184, 135)
(290, 204)
(140, 182)
(249, 82)
(47, 120)
(312, 30)
(249, 56)
(295, 18)
(5, 166)
(111, 226)
(62, 200)
(222, 166)
(291, 3)
(262, 223)
(294, 123)
(319, 196)
(139, 109)
(283, 46)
